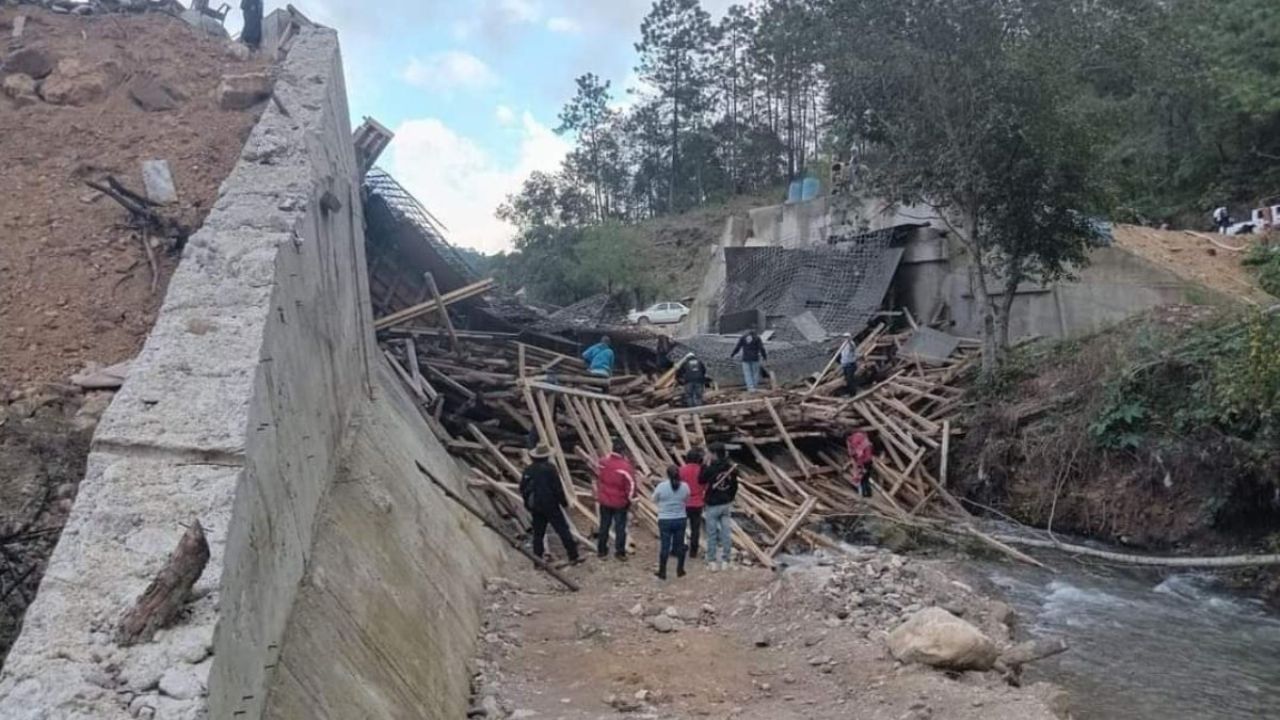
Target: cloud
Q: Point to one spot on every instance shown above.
(504, 115)
(564, 25)
(462, 183)
(449, 70)
(520, 11)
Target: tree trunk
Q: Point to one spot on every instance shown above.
(978, 281)
(1006, 307)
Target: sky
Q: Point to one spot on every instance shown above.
(473, 88)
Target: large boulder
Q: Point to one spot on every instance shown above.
(76, 83)
(34, 61)
(939, 639)
(240, 92)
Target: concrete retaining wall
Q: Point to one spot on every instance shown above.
(238, 412)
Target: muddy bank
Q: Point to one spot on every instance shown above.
(808, 641)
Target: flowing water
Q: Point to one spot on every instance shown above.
(1147, 645)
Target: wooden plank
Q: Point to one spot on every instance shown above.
(411, 354)
(946, 450)
(430, 306)
(704, 409)
(684, 434)
(544, 387)
(801, 462)
(792, 525)
(444, 310)
(503, 461)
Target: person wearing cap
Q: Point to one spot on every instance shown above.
(849, 364)
(615, 489)
(545, 500)
(720, 480)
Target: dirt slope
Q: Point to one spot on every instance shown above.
(74, 283)
(1195, 257)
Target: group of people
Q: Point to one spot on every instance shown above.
(698, 493)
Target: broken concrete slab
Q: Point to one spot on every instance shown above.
(19, 25)
(158, 182)
(931, 346)
(35, 61)
(209, 25)
(240, 92)
(809, 327)
(102, 378)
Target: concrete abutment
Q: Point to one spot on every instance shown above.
(340, 585)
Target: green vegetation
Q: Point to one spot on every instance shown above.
(1264, 258)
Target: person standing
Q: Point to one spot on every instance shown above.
(849, 364)
(691, 475)
(1221, 219)
(599, 358)
(670, 496)
(753, 353)
(545, 500)
(720, 480)
(251, 33)
(693, 375)
(615, 489)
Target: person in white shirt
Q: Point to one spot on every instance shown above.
(849, 364)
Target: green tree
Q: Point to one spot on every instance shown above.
(611, 259)
(677, 39)
(588, 117)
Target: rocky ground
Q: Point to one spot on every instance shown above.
(809, 641)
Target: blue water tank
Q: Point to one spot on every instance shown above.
(794, 191)
(809, 190)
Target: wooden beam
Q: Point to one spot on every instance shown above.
(792, 525)
(421, 309)
(444, 311)
(801, 463)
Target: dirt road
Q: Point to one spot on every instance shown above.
(806, 642)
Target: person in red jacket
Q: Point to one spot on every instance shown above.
(861, 453)
(691, 475)
(615, 489)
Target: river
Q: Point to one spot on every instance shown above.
(1149, 645)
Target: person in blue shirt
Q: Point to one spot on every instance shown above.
(599, 358)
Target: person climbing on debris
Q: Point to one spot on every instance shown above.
(753, 353)
(251, 34)
(545, 500)
(599, 358)
(849, 364)
(861, 453)
(691, 475)
(720, 480)
(693, 375)
(670, 496)
(615, 489)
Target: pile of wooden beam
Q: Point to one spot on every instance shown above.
(490, 396)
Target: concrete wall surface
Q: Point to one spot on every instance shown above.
(1114, 286)
(387, 615)
(233, 414)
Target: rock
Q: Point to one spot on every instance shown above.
(181, 683)
(35, 62)
(622, 703)
(523, 714)
(209, 25)
(671, 612)
(636, 610)
(75, 83)
(762, 640)
(240, 92)
(939, 639)
(158, 182)
(586, 629)
(1002, 613)
(820, 660)
(662, 623)
(238, 51)
(490, 706)
(21, 89)
(152, 95)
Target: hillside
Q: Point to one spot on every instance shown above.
(681, 243)
(1209, 260)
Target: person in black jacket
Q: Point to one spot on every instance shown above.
(251, 34)
(720, 479)
(545, 500)
(693, 375)
(753, 353)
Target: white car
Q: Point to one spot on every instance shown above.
(662, 313)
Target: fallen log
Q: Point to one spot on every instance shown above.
(1228, 561)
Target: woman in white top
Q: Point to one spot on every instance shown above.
(670, 496)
